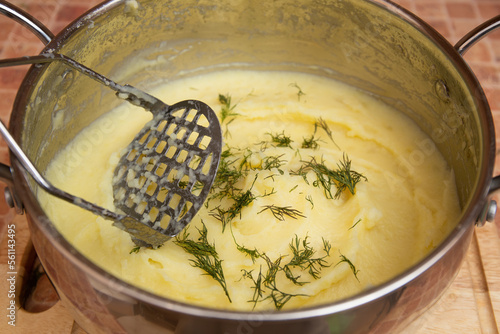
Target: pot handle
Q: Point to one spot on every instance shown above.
(46, 36)
(25, 19)
(476, 34)
(462, 46)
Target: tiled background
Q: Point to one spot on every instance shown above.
(452, 18)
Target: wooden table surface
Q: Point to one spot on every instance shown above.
(470, 305)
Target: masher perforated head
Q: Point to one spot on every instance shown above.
(166, 172)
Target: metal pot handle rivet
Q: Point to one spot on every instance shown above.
(488, 213)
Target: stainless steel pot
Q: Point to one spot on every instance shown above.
(370, 44)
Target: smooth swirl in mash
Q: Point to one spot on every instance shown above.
(315, 200)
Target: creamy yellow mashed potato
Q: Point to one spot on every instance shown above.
(278, 127)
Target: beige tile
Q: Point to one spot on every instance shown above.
(462, 10)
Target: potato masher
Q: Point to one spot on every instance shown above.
(166, 172)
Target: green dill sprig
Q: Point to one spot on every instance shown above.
(273, 161)
(227, 113)
(344, 259)
(265, 282)
(310, 200)
(136, 250)
(266, 163)
(240, 199)
(280, 139)
(321, 124)
(205, 256)
(356, 223)
(343, 178)
(300, 93)
(234, 166)
(228, 175)
(273, 267)
(303, 258)
(245, 163)
(279, 297)
(221, 215)
(279, 212)
(253, 253)
(227, 108)
(310, 143)
(258, 289)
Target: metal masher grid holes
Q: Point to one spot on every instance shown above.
(162, 178)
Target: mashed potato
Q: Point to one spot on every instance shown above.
(284, 232)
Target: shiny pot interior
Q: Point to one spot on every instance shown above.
(372, 45)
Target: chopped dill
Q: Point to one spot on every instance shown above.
(136, 249)
(227, 112)
(279, 297)
(226, 108)
(321, 123)
(280, 139)
(310, 143)
(266, 163)
(356, 223)
(221, 215)
(279, 212)
(205, 256)
(253, 253)
(265, 284)
(227, 176)
(343, 259)
(268, 281)
(240, 199)
(183, 184)
(303, 258)
(272, 161)
(300, 93)
(273, 268)
(343, 178)
(310, 200)
(246, 158)
(258, 290)
(302, 263)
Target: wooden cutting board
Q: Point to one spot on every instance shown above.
(471, 305)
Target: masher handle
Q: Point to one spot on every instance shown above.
(127, 92)
(46, 185)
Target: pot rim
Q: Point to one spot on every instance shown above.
(103, 278)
